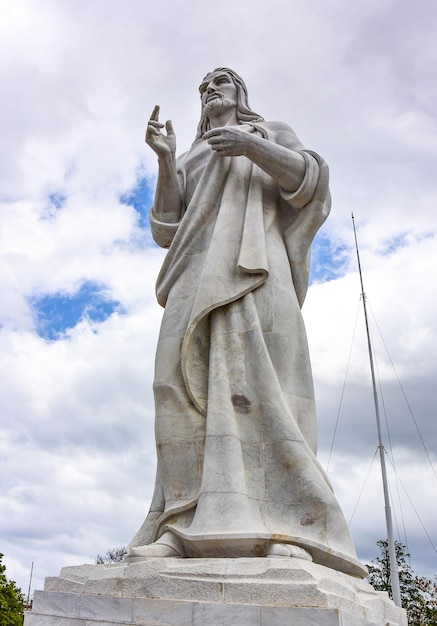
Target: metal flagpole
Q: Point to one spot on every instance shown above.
(394, 575)
(30, 583)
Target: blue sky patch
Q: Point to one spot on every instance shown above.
(140, 198)
(393, 244)
(57, 199)
(328, 259)
(59, 312)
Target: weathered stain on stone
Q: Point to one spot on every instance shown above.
(308, 520)
(241, 403)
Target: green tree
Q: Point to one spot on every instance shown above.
(11, 600)
(115, 555)
(418, 594)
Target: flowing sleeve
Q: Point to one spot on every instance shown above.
(163, 232)
(311, 215)
(302, 196)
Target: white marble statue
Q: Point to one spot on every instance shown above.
(236, 426)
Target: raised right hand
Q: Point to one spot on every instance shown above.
(163, 145)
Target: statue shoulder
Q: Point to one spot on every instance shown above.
(275, 125)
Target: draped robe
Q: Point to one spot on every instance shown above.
(235, 422)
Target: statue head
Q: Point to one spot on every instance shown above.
(244, 112)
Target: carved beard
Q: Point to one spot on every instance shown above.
(220, 102)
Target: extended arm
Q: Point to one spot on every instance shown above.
(167, 204)
(285, 166)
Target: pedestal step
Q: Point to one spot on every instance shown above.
(210, 592)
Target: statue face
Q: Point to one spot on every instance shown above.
(218, 91)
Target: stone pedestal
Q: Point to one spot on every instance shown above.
(210, 592)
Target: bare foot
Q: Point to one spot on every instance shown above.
(168, 545)
(153, 550)
(288, 550)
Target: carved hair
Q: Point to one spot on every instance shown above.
(244, 112)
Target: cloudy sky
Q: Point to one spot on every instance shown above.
(78, 317)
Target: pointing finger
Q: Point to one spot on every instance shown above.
(155, 113)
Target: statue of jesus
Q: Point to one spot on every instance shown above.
(235, 426)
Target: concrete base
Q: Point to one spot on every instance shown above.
(211, 592)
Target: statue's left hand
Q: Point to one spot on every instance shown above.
(228, 140)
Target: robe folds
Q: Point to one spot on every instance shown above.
(235, 425)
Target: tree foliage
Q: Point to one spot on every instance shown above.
(11, 600)
(115, 555)
(418, 594)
